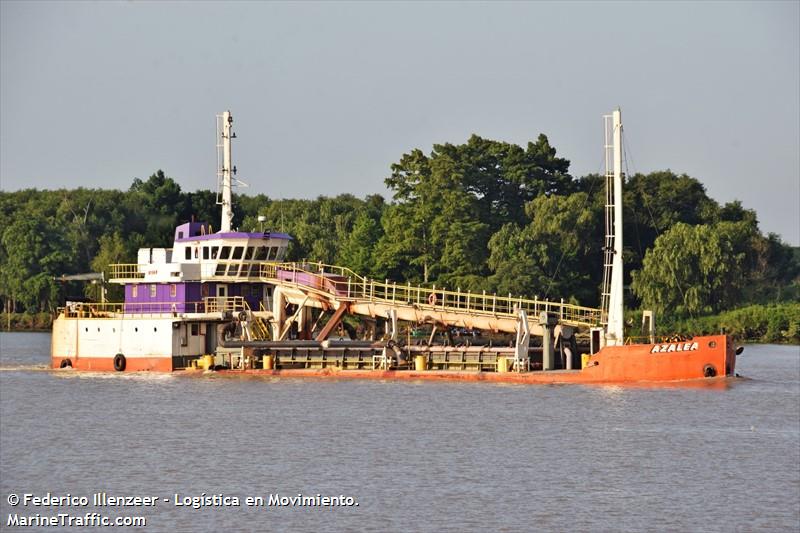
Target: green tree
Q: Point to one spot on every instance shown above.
(34, 253)
(556, 255)
(692, 269)
(500, 177)
(112, 250)
(434, 232)
(356, 251)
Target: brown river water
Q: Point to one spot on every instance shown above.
(414, 456)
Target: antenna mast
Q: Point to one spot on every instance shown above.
(225, 169)
(612, 295)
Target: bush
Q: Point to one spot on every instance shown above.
(775, 323)
(26, 321)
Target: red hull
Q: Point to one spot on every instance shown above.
(698, 359)
(106, 364)
(702, 361)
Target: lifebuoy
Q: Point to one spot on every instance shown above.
(119, 362)
(432, 299)
(66, 363)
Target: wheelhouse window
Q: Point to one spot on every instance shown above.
(205, 252)
(214, 252)
(237, 253)
(188, 252)
(260, 253)
(225, 252)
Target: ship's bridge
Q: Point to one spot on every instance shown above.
(199, 255)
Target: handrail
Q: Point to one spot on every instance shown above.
(112, 309)
(344, 284)
(215, 304)
(211, 304)
(126, 271)
(334, 280)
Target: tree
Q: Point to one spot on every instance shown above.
(112, 251)
(434, 232)
(158, 205)
(556, 255)
(34, 253)
(692, 269)
(500, 177)
(357, 249)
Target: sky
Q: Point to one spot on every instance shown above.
(326, 96)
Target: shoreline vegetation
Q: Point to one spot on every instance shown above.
(764, 324)
(480, 216)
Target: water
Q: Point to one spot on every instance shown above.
(415, 456)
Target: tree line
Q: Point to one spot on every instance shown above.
(484, 215)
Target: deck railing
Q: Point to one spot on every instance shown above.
(216, 304)
(344, 284)
(111, 310)
(347, 285)
(211, 304)
(126, 271)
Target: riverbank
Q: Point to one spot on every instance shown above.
(26, 321)
(772, 324)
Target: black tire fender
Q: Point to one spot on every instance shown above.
(119, 362)
(66, 363)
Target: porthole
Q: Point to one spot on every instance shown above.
(136, 330)
(98, 330)
(712, 344)
(113, 330)
(87, 330)
(155, 329)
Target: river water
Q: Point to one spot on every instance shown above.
(415, 456)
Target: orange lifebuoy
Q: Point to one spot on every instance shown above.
(432, 299)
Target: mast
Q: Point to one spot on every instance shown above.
(225, 169)
(612, 295)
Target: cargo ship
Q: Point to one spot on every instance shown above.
(227, 301)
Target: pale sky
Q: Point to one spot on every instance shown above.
(326, 96)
